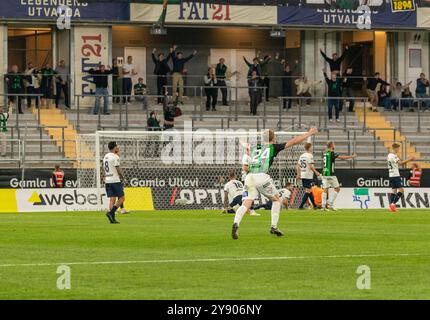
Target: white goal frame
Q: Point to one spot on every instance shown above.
(99, 135)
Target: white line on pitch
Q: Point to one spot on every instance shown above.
(215, 260)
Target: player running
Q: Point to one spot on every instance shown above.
(329, 179)
(259, 182)
(396, 183)
(305, 173)
(113, 178)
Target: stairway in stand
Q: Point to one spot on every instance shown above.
(375, 121)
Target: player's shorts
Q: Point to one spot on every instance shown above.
(259, 183)
(330, 182)
(307, 183)
(114, 190)
(396, 183)
(236, 201)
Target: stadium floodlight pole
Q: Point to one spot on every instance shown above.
(98, 172)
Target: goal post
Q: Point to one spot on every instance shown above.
(179, 170)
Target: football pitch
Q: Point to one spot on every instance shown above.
(190, 255)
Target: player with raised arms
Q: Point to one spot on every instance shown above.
(259, 182)
(113, 181)
(396, 183)
(329, 179)
(305, 173)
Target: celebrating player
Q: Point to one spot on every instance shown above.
(305, 172)
(259, 182)
(113, 178)
(329, 179)
(396, 183)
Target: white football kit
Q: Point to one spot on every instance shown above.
(305, 160)
(393, 165)
(110, 162)
(233, 188)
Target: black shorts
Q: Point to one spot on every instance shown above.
(114, 190)
(236, 201)
(307, 183)
(396, 183)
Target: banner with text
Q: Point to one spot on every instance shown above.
(75, 9)
(195, 12)
(59, 200)
(350, 14)
(91, 50)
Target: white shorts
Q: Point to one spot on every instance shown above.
(330, 182)
(259, 183)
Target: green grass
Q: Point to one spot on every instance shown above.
(323, 241)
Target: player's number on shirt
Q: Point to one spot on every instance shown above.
(238, 185)
(106, 166)
(258, 156)
(303, 164)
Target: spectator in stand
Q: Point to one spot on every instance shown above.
(211, 89)
(255, 85)
(58, 177)
(161, 70)
(336, 61)
(334, 90)
(254, 66)
(287, 82)
(153, 122)
(396, 95)
(178, 67)
(140, 93)
(47, 83)
(220, 74)
(62, 83)
(408, 102)
(304, 87)
(116, 82)
(128, 72)
(415, 175)
(32, 84)
(347, 88)
(421, 91)
(101, 80)
(15, 85)
(384, 98)
(264, 63)
(372, 83)
(4, 117)
(169, 111)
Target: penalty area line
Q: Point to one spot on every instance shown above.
(232, 259)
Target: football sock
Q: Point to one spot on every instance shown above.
(311, 198)
(113, 210)
(276, 208)
(334, 198)
(122, 205)
(304, 199)
(392, 197)
(397, 197)
(239, 214)
(324, 200)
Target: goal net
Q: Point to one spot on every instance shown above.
(174, 170)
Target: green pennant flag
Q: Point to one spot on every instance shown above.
(162, 18)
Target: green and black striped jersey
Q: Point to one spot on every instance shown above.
(329, 159)
(262, 157)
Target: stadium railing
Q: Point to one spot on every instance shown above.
(19, 142)
(226, 120)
